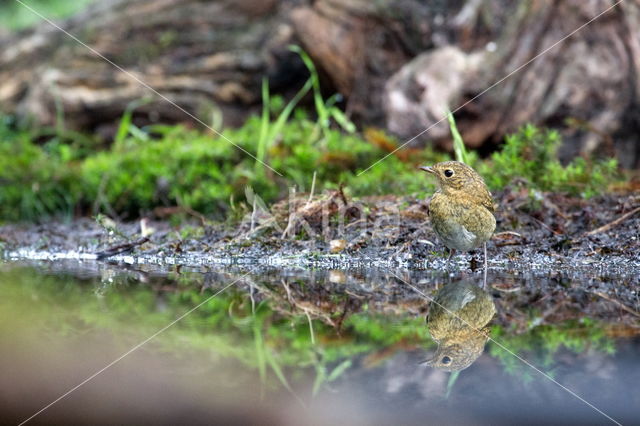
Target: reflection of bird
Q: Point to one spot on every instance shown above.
(461, 210)
(457, 321)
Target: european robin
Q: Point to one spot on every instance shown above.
(461, 210)
(457, 322)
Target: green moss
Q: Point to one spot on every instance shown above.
(171, 165)
(35, 181)
(174, 166)
(531, 155)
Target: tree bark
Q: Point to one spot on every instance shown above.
(207, 57)
(586, 84)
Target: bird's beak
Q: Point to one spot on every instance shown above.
(427, 169)
(429, 361)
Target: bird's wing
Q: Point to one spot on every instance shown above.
(467, 296)
(487, 201)
(455, 296)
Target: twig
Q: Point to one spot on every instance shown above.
(608, 226)
(349, 225)
(500, 234)
(120, 248)
(617, 302)
(286, 287)
(506, 290)
(341, 194)
(292, 213)
(503, 242)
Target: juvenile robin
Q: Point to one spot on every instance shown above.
(457, 322)
(461, 210)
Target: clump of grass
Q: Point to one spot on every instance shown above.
(531, 154)
(325, 110)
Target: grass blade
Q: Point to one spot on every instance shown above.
(458, 144)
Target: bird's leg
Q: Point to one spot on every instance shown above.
(485, 267)
(451, 253)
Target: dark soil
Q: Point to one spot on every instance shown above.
(566, 257)
(544, 229)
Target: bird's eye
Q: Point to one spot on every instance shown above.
(446, 360)
(448, 173)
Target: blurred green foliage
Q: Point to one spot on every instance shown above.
(15, 16)
(541, 344)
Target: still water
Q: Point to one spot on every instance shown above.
(100, 343)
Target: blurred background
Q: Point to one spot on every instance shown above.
(304, 86)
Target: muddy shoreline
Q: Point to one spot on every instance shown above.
(572, 258)
(539, 231)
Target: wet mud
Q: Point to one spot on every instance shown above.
(567, 257)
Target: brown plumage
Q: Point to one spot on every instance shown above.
(457, 321)
(461, 210)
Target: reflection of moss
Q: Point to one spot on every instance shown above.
(276, 345)
(540, 344)
(379, 330)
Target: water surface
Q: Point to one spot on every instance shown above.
(286, 346)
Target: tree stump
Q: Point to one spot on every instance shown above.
(398, 63)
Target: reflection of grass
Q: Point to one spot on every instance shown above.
(15, 16)
(541, 344)
(453, 378)
(274, 345)
(277, 347)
